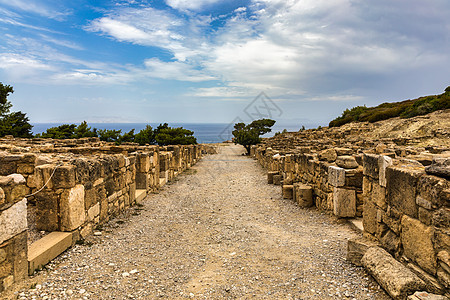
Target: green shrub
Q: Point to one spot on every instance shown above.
(404, 109)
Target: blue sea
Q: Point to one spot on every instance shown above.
(205, 133)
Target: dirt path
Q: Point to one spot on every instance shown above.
(219, 233)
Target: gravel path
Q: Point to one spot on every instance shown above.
(217, 232)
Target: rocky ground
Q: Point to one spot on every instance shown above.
(217, 232)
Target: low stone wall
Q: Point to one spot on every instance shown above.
(401, 192)
(74, 186)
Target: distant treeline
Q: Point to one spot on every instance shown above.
(162, 135)
(404, 109)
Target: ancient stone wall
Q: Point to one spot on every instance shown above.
(74, 186)
(400, 190)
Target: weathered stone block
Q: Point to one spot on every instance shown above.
(426, 296)
(346, 162)
(336, 176)
(64, 177)
(383, 163)
(401, 189)
(441, 217)
(303, 194)
(434, 190)
(94, 212)
(388, 238)
(356, 248)
(270, 176)
(287, 191)
(439, 167)
(328, 155)
(344, 202)
(13, 220)
(417, 240)
(47, 203)
(277, 179)
(370, 165)
(72, 212)
(396, 279)
(370, 217)
(142, 181)
(354, 178)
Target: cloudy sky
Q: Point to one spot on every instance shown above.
(206, 60)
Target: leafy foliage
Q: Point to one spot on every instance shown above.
(247, 135)
(110, 135)
(145, 136)
(163, 134)
(166, 135)
(404, 109)
(15, 123)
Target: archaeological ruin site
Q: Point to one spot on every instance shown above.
(389, 180)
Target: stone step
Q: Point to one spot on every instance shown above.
(47, 248)
(140, 195)
(357, 224)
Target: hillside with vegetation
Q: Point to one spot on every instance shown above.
(404, 109)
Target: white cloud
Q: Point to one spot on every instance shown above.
(36, 7)
(193, 5)
(174, 71)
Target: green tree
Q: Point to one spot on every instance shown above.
(165, 135)
(110, 135)
(65, 131)
(247, 135)
(15, 123)
(83, 130)
(145, 136)
(128, 137)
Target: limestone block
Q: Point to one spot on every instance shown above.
(388, 239)
(346, 162)
(277, 179)
(72, 212)
(344, 202)
(426, 296)
(354, 177)
(431, 282)
(64, 177)
(370, 165)
(303, 194)
(287, 191)
(401, 189)
(94, 212)
(379, 195)
(370, 217)
(17, 178)
(270, 176)
(47, 203)
(383, 163)
(336, 176)
(417, 240)
(328, 155)
(433, 189)
(13, 220)
(396, 279)
(441, 218)
(439, 167)
(356, 248)
(343, 151)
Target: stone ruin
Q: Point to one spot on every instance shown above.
(68, 187)
(398, 186)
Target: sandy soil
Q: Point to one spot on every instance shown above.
(217, 232)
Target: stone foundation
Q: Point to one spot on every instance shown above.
(401, 192)
(74, 186)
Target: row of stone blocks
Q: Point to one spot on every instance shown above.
(404, 209)
(74, 193)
